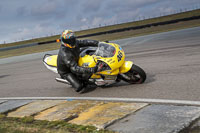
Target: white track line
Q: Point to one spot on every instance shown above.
(138, 100)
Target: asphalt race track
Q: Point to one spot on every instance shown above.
(171, 61)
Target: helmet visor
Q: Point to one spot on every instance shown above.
(71, 41)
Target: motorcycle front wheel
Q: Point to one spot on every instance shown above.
(135, 75)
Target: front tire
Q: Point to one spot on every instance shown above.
(135, 75)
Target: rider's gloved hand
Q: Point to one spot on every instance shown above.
(94, 69)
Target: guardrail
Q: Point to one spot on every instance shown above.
(18, 46)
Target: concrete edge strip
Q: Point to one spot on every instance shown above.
(138, 100)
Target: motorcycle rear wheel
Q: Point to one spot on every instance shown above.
(136, 75)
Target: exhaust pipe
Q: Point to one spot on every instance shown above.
(62, 81)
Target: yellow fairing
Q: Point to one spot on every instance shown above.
(114, 62)
(51, 60)
(86, 61)
(95, 76)
(126, 67)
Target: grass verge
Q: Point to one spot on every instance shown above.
(113, 36)
(111, 27)
(29, 125)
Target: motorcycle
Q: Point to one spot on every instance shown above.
(112, 66)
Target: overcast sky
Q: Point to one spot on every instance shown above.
(25, 19)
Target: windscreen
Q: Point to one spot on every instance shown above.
(105, 50)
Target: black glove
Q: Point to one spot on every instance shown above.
(94, 69)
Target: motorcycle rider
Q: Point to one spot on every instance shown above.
(67, 61)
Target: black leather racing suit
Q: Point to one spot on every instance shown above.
(67, 63)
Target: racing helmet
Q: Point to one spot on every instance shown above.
(68, 38)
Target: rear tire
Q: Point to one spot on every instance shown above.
(136, 75)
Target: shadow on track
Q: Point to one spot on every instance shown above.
(90, 88)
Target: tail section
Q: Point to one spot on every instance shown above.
(50, 61)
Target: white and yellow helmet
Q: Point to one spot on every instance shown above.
(68, 38)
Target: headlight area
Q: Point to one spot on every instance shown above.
(102, 66)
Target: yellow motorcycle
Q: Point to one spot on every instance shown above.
(110, 59)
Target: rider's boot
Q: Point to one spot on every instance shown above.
(74, 81)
